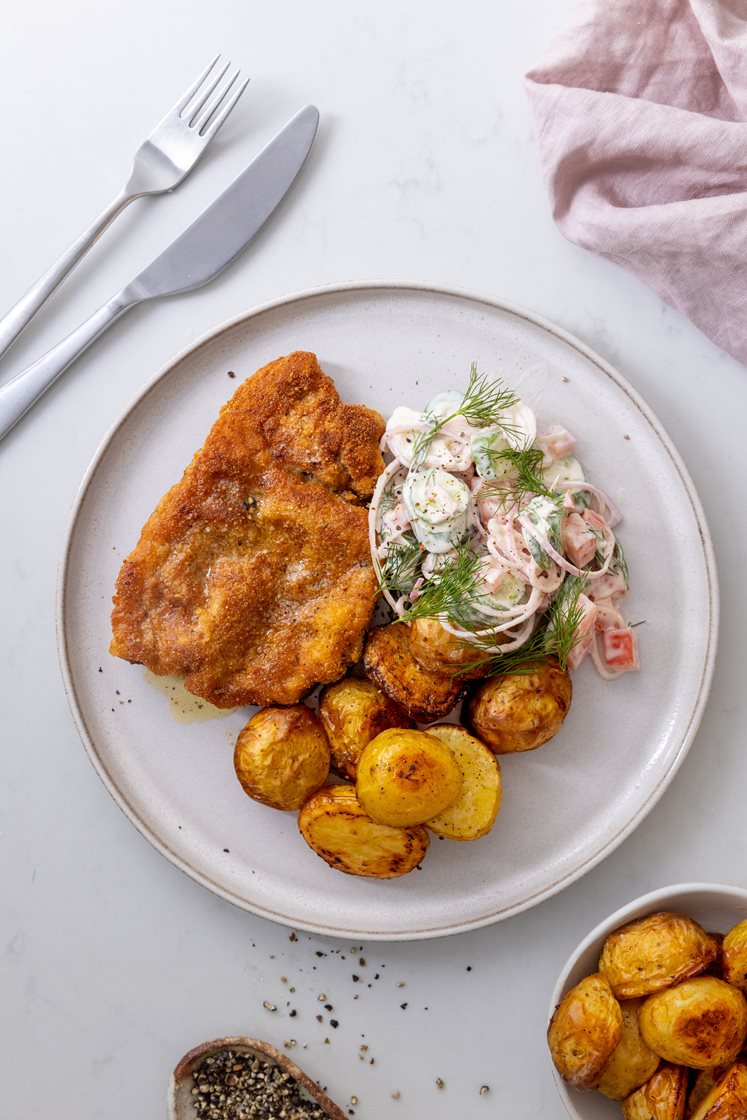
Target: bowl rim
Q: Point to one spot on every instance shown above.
(629, 911)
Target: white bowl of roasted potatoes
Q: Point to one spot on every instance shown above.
(648, 1019)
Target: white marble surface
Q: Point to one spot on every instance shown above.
(114, 963)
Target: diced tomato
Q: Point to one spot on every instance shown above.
(594, 521)
(557, 442)
(579, 542)
(621, 648)
(584, 632)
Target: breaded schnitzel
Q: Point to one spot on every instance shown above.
(252, 578)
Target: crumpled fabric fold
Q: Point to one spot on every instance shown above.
(640, 110)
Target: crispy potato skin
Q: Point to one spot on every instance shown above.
(734, 956)
(438, 651)
(663, 1097)
(281, 756)
(407, 777)
(632, 1063)
(584, 1031)
(473, 813)
(704, 1081)
(519, 712)
(727, 1099)
(337, 828)
(353, 712)
(389, 663)
(655, 952)
(698, 1023)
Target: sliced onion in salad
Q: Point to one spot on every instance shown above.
(472, 522)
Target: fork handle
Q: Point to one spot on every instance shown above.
(19, 316)
(18, 394)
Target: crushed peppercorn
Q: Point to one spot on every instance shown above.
(233, 1086)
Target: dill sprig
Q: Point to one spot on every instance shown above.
(485, 400)
(387, 501)
(522, 660)
(525, 478)
(400, 568)
(483, 405)
(619, 562)
(555, 636)
(565, 615)
(450, 590)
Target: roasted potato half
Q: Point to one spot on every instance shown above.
(334, 824)
(584, 1031)
(438, 651)
(663, 1097)
(734, 956)
(632, 1063)
(281, 756)
(473, 813)
(727, 1099)
(701, 1086)
(520, 711)
(697, 1023)
(407, 777)
(353, 712)
(655, 952)
(389, 663)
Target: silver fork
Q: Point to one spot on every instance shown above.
(161, 162)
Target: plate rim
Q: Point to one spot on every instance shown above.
(613, 842)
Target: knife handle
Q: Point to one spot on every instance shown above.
(18, 394)
(20, 315)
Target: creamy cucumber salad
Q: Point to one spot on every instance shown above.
(491, 527)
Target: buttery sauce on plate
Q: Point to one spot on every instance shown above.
(184, 707)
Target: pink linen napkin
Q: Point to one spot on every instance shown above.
(640, 109)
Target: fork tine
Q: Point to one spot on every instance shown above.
(213, 122)
(195, 111)
(216, 102)
(187, 96)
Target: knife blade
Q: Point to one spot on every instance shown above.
(215, 239)
(227, 226)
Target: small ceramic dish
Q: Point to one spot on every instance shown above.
(181, 1102)
(717, 908)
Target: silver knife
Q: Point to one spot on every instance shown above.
(208, 246)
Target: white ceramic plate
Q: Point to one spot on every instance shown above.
(565, 806)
